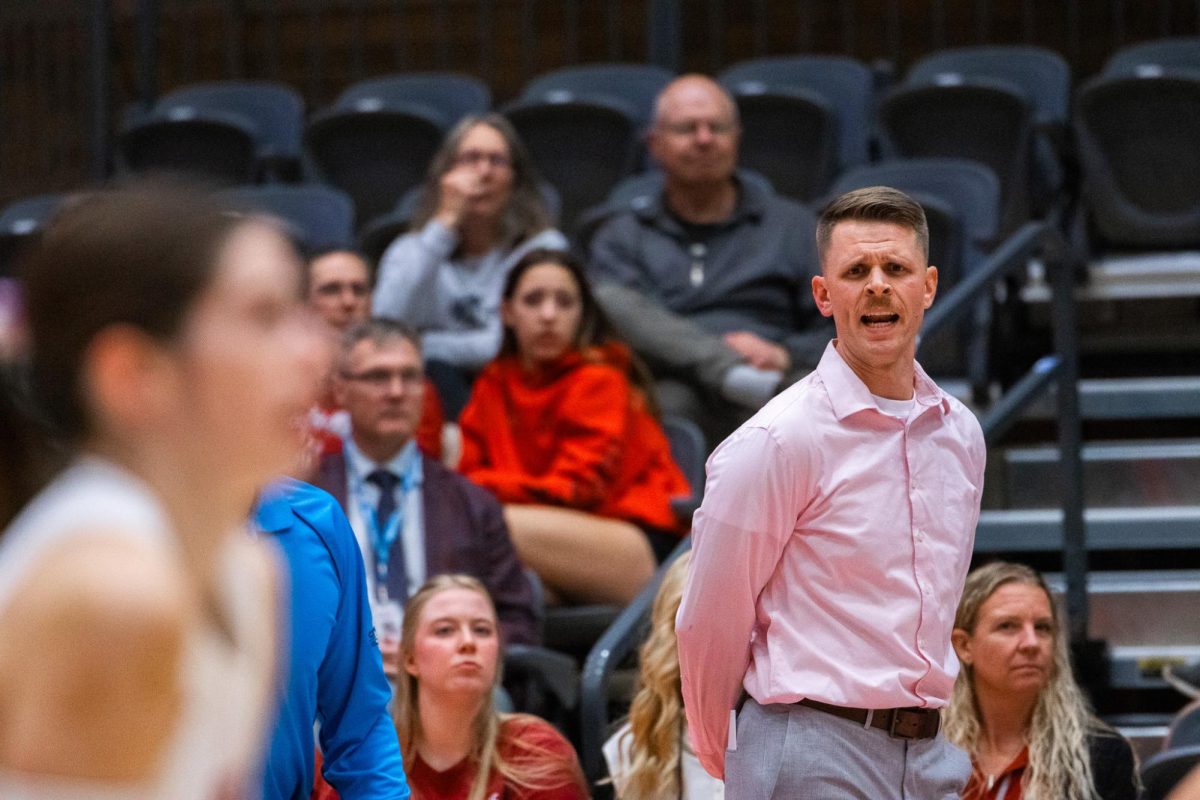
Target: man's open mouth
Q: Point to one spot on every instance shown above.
(879, 319)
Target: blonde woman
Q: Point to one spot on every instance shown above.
(1016, 708)
(650, 757)
(454, 742)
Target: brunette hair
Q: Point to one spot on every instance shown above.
(534, 769)
(139, 255)
(526, 213)
(656, 721)
(595, 329)
(873, 204)
(1059, 765)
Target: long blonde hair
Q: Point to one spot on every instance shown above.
(534, 768)
(656, 715)
(1059, 765)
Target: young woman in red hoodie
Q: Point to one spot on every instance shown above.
(561, 428)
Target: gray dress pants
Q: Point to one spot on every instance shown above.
(799, 753)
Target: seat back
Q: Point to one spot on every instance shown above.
(635, 86)
(373, 156)
(688, 449)
(583, 149)
(987, 122)
(21, 222)
(1163, 771)
(276, 109)
(319, 217)
(220, 147)
(1141, 164)
(1158, 56)
(1042, 75)
(844, 83)
(450, 95)
(790, 136)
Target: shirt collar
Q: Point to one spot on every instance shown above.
(849, 395)
(407, 461)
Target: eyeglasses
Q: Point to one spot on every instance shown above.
(380, 379)
(474, 158)
(692, 126)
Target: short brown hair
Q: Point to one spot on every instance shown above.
(873, 204)
(381, 331)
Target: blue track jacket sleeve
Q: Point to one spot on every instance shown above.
(335, 673)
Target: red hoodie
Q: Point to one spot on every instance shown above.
(574, 434)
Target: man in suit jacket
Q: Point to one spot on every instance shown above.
(413, 517)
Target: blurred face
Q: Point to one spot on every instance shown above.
(251, 357)
(382, 387)
(485, 153)
(1012, 646)
(544, 313)
(695, 135)
(339, 290)
(875, 284)
(456, 646)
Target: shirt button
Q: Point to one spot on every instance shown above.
(697, 250)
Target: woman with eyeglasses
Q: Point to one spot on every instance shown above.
(480, 211)
(1016, 709)
(172, 361)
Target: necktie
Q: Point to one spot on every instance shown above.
(395, 570)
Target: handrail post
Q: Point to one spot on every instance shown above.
(1090, 656)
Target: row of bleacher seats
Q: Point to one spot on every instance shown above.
(807, 121)
(983, 137)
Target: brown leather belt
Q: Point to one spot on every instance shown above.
(900, 723)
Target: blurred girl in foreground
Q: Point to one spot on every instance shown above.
(171, 357)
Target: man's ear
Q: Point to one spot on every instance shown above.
(931, 284)
(821, 295)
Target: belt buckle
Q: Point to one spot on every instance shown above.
(911, 730)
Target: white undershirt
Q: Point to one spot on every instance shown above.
(895, 408)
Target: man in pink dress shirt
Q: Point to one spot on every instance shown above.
(832, 545)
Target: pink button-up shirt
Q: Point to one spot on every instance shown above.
(829, 554)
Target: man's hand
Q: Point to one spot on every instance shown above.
(758, 352)
(459, 187)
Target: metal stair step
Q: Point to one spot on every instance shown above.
(1115, 474)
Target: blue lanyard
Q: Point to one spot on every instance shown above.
(383, 536)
